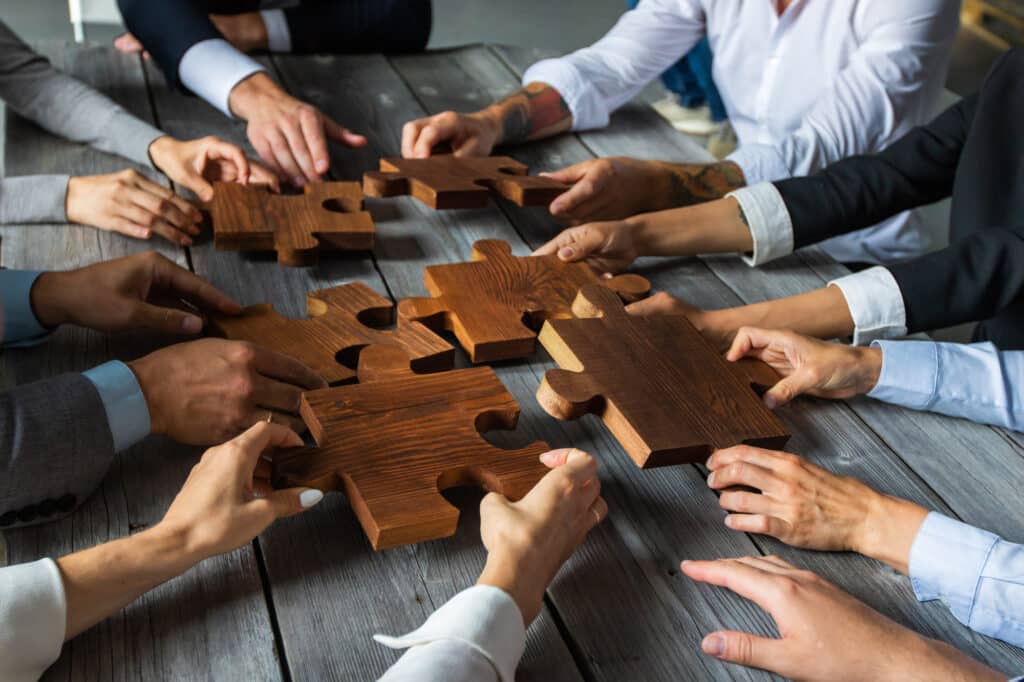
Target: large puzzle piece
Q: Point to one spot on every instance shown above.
(494, 303)
(662, 389)
(394, 441)
(329, 216)
(445, 181)
(340, 324)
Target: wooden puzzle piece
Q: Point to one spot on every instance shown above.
(494, 303)
(445, 181)
(341, 323)
(394, 441)
(328, 216)
(662, 389)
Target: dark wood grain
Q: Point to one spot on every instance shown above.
(341, 322)
(495, 303)
(446, 182)
(394, 441)
(663, 390)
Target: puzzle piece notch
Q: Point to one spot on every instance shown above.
(447, 182)
(666, 394)
(494, 303)
(394, 443)
(327, 216)
(341, 324)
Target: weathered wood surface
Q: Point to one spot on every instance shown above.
(326, 591)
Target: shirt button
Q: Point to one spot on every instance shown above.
(27, 514)
(67, 503)
(8, 519)
(48, 507)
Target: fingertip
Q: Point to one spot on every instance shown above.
(310, 497)
(713, 645)
(566, 252)
(770, 401)
(191, 324)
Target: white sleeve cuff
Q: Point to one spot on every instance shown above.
(33, 616)
(279, 37)
(212, 68)
(770, 225)
(587, 107)
(875, 303)
(483, 618)
(760, 163)
(910, 373)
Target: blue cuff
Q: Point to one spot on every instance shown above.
(946, 562)
(910, 370)
(123, 401)
(18, 324)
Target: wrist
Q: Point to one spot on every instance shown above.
(47, 299)
(145, 374)
(506, 574)
(249, 94)
(869, 365)
(160, 151)
(888, 530)
(491, 118)
(171, 546)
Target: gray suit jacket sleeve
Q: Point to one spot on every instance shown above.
(32, 87)
(55, 448)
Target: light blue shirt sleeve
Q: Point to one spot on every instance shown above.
(123, 401)
(975, 573)
(977, 381)
(18, 324)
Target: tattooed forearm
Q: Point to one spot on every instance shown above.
(536, 111)
(695, 183)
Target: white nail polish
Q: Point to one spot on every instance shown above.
(310, 497)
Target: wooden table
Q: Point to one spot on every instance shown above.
(302, 601)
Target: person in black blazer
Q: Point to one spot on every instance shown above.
(201, 45)
(973, 152)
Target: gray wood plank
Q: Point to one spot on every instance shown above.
(831, 434)
(211, 623)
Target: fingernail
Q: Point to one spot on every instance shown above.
(770, 402)
(566, 252)
(549, 459)
(297, 181)
(191, 324)
(711, 478)
(684, 562)
(310, 497)
(729, 520)
(607, 275)
(713, 645)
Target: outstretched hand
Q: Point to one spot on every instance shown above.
(197, 164)
(608, 248)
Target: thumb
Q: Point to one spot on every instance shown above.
(291, 501)
(568, 175)
(340, 133)
(786, 390)
(167, 320)
(742, 648)
(193, 179)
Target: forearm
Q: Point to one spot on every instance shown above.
(821, 313)
(713, 227)
(100, 581)
(695, 183)
(535, 112)
(249, 95)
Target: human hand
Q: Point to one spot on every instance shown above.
(219, 508)
(130, 203)
(142, 291)
(824, 633)
(467, 134)
(608, 248)
(714, 325)
(808, 365)
(129, 44)
(289, 135)
(529, 540)
(611, 189)
(246, 30)
(210, 390)
(196, 164)
(806, 506)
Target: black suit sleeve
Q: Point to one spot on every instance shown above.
(334, 26)
(860, 191)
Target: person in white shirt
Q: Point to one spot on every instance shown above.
(805, 83)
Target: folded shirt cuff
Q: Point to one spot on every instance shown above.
(910, 373)
(212, 68)
(123, 401)
(279, 36)
(18, 323)
(482, 617)
(34, 613)
(768, 218)
(588, 111)
(875, 303)
(760, 163)
(947, 559)
(33, 199)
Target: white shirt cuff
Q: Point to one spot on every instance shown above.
(760, 163)
(588, 110)
(279, 37)
(212, 68)
(770, 225)
(484, 618)
(875, 303)
(33, 617)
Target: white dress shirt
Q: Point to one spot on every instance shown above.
(825, 80)
(32, 619)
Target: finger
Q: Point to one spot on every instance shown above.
(170, 233)
(193, 288)
(577, 463)
(779, 561)
(229, 152)
(742, 345)
(260, 437)
(302, 145)
(172, 204)
(410, 133)
(597, 513)
(574, 244)
(276, 395)
(261, 175)
(283, 155)
(762, 524)
(440, 129)
(746, 502)
(599, 207)
(570, 175)
(787, 389)
(124, 226)
(763, 564)
(566, 202)
(340, 133)
(743, 648)
(291, 501)
(166, 320)
(743, 473)
(268, 416)
(281, 367)
(766, 459)
(143, 217)
(655, 305)
(266, 153)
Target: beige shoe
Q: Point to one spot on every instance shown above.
(722, 141)
(692, 121)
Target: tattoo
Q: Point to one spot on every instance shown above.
(536, 111)
(695, 183)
